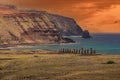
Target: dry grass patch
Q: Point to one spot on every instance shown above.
(58, 67)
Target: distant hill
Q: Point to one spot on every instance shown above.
(21, 26)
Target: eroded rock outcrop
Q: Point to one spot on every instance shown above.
(86, 34)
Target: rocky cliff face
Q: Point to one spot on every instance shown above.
(30, 26)
(66, 26)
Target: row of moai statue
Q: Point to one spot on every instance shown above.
(81, 51)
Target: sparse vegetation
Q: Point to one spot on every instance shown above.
(110, 62)
(36, 56)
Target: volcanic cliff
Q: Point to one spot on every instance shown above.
(18, 26)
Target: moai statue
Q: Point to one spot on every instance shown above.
(87, 51)
(79, 51)
(82, 51)
(70, 51)
(74, 51)
(94, 51)
(59, 51)
(66, 51)
(63, 50)
(91, 51)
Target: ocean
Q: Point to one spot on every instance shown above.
(102, 43)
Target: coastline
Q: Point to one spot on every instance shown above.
(99, 42)
(29, 45)
(46, 51)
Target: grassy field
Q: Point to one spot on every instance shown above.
(58, 67)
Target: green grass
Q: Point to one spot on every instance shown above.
(58, 67)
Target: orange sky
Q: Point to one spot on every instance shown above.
(94, 15)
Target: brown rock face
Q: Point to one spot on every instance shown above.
(30, 26)
(66, 26)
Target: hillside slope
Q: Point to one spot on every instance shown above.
(18, 26)
(67, 26)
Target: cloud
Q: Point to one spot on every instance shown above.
(67, 7)
(108, 20)
(86, 12)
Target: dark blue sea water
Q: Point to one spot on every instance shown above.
(103, 43)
